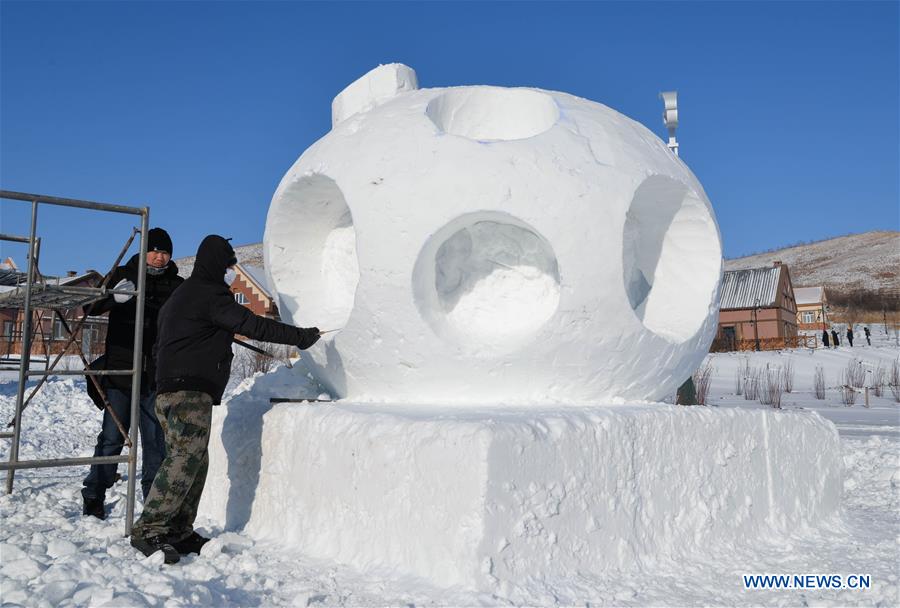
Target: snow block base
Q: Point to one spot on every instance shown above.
(480, 498)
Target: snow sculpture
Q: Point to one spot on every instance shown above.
(478, 246)
(491, 244)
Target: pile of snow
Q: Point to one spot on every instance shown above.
(489, 498)
(514, 245)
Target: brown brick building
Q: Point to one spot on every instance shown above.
(251, 289)
(48, 333)
(758, 310)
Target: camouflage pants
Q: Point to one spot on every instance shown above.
(171, 506)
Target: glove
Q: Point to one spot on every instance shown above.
(308, 337)
(121, 298)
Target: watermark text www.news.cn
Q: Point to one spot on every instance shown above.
(807, 581)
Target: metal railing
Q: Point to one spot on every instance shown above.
(31, 299)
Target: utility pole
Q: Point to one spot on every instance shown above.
(756, 323)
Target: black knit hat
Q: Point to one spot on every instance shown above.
(159, 240)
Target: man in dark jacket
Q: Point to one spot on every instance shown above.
(162, 279)
(834, 339)
(196, 331)
(850, 334)
(825, 338)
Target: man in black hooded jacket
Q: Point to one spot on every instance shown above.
(196, 330)
(162, 280)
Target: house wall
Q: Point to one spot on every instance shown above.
(90, 338)
(773, 323)
(257, 301)
(819, 320)
(768, 320)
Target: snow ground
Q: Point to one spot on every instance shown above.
(51, 556)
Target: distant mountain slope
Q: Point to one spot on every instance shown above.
(870, 260)
(248, 254)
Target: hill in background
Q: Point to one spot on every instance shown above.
(869, 261)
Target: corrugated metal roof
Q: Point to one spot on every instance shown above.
(751, 288)
(77, 278)
(808, 295)
(10, 277)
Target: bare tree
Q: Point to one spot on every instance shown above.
(819, 382)
(702, 379)
(751, 384)
(848, 393)
(248, 362)
(741, 375)
(772, 387)
(787, 372)
(894, 380)
(855, 374)
(879, 377)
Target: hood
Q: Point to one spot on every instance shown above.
(214, 255)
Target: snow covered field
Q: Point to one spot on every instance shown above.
(51, 556)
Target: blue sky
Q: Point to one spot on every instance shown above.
(789, 111)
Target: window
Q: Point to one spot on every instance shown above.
(240, 298)
(59, 332)
(9, 329)
(809, 317)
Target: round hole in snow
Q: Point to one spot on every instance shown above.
(671, 258)
(493, 113)
(486, 281)
(311, 253)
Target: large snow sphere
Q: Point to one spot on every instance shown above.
(492, 245)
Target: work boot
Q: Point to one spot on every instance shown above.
(149, 546)
(94, 507)
(191, 544)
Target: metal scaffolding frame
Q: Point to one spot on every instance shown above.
(40, 293)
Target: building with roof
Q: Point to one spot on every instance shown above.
(251, 289)
(49, 335)
(812, 307)
(758, 310)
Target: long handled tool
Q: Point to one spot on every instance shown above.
(266, 353)
(262, 352)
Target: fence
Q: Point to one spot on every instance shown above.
(724, 345)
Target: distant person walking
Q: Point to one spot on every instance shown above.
(868, 336)
(835, 342)
(825, 338)
(850, 334)
(196, 330)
